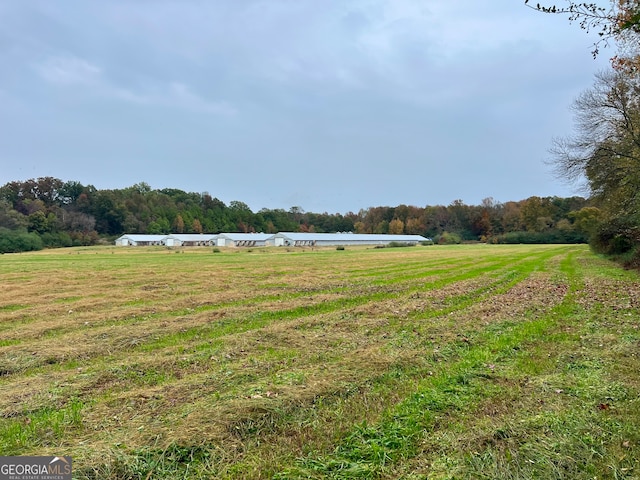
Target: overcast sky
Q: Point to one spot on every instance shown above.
(327, 105)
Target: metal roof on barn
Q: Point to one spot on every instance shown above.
(192, 237)
(143, 237)
(350, 237)
(241, 237)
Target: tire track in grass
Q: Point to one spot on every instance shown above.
(368, 450)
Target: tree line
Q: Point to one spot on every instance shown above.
(48, 212)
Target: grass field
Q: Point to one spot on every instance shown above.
(423, 362)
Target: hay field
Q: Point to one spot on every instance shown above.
(421, 362)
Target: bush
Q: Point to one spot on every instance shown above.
(340, 247)
(631, 260)
(614, 237)
(83, 239)
(448, 238)
(551, 236)
(400, 244)
(56, 240)
(13, 241)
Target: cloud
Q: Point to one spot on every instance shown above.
(69, 70)
(173, 95)
(463, 97)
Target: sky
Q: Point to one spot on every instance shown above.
(330, 106)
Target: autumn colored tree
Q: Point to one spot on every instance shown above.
(360, 227)
(396, 227)
(196, 226)
(537, 214)
(414, 226)
(437, 219)
(511, 220)
(178, 224)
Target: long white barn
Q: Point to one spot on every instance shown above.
(297, 239)
(243, 239)
(292, 239)
(140, 240)
(189, 240)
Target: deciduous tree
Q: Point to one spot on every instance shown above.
(396, 227)
(178, 224)
(196, 226)
(605, 150)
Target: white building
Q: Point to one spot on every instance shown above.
(295, 239)
(190, 240)
(243, 239)
(140, 240)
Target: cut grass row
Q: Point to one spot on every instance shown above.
(461, 385)
(365, 359)
(244, 314)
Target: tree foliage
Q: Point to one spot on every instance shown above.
(618, 23)
(605, 151)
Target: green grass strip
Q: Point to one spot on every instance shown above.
(368, 449)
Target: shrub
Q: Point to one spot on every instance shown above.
(448, 238)
(551, 236)
(400, 244)
(54, 240)
(13, 241)
(614, 237)
(340, 247)
(84, 238)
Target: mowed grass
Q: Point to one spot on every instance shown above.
(424, 362)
